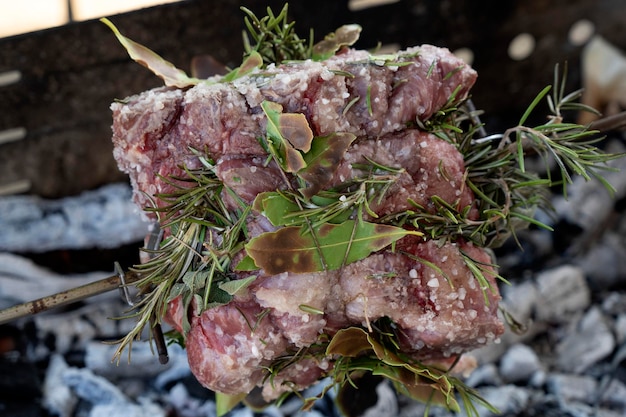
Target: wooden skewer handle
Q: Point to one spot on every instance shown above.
(65, 297)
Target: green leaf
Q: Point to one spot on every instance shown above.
(420, 383)
(195, 280)
(172, 76)
(350, 342)
(246, 264)
(225, 402)
(287, 135)
(333, 245)
(235, 286)
(217, 297)
(252, 62)
(420, 389)
(276, 207)
(384, 354)
(322, 161)
(346, 35)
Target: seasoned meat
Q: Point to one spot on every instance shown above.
(436, 305)
(154, 131)
(440, 312)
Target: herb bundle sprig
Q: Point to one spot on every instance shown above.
(274, 37)
(507, 194)
(193, 262)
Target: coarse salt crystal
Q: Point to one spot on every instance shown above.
(413, 273)
(462, 293)
(472, 284)
(433, 283)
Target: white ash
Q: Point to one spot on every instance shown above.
(588, 203)
(75, 329)
(58, 398)
(620, 329)
(143, 409)
(142, 361)
(387, 404)
(605, 262)
(519, 364)
(590, 342)
(188, 406)
(573, 388)
(556, 295)
(102, 218)
(92, 388)
(486, 374)
(562, 292)
(22, 280)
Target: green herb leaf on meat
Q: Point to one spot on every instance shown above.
(346, 35)
(322, 161)
(287, 135)
(292, 249)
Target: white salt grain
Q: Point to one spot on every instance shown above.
(433, 283)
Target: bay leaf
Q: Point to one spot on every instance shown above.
(351, 342)
(172, 76)
(323, 160)
(295, 249)
(252, 62)
(282, 129)
(236, 285)
(246, 264)
(226, 402)
(419, 388)
(294, 127)
(345, 35)
(276, 207)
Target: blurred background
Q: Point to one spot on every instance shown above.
(32, 15)
(66, 214)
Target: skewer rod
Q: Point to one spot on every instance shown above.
(65, 297)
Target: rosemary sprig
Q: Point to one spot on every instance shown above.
(191, 262)
(507, 194)
(274, 37)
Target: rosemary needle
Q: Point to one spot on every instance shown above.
(65, 297)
